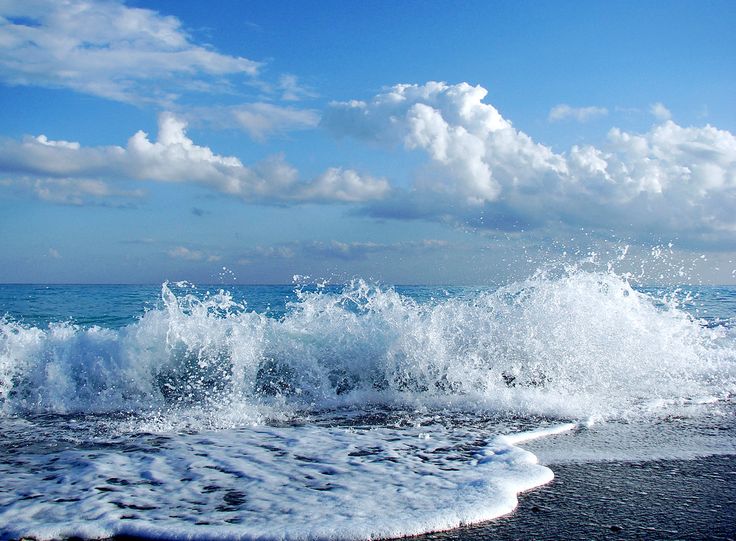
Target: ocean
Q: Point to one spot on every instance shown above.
(362, 411)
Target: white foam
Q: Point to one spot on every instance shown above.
(529, 435)
(302, 482)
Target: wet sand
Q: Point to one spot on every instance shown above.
(663, 499)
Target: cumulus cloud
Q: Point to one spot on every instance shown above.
(344, 185)
(660, 112)
(481, 170)
(104, 48)
(173, 157)
(671, 178)
(580, 114)
(473, 150)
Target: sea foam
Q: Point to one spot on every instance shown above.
(303, 482)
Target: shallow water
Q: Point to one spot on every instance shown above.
(342, 412)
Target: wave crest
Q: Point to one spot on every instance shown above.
(577, 345)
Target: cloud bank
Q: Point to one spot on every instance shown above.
(338, 250)
(64, 171)
(483, 171)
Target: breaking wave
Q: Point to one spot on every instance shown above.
(578, 344)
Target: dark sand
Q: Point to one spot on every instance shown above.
(664, 499)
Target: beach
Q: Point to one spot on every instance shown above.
(663, 499)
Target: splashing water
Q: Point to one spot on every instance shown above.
(572, 344)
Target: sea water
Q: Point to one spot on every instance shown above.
(342, 412)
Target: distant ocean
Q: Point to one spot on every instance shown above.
(357, 411)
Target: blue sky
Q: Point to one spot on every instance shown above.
(408, 142)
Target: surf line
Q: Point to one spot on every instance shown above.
(529, 435)
(502, 456)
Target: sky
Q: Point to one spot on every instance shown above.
(403, 142)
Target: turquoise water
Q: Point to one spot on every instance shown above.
(115, 306)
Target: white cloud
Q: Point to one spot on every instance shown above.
(660, 112)
(104, 48)
(174, 157)
(473, 150)
(672, 179)
(580, 114)
(187, 254)
(344, 185)
(61, 144)
(53, 253)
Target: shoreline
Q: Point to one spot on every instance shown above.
(667, 499)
